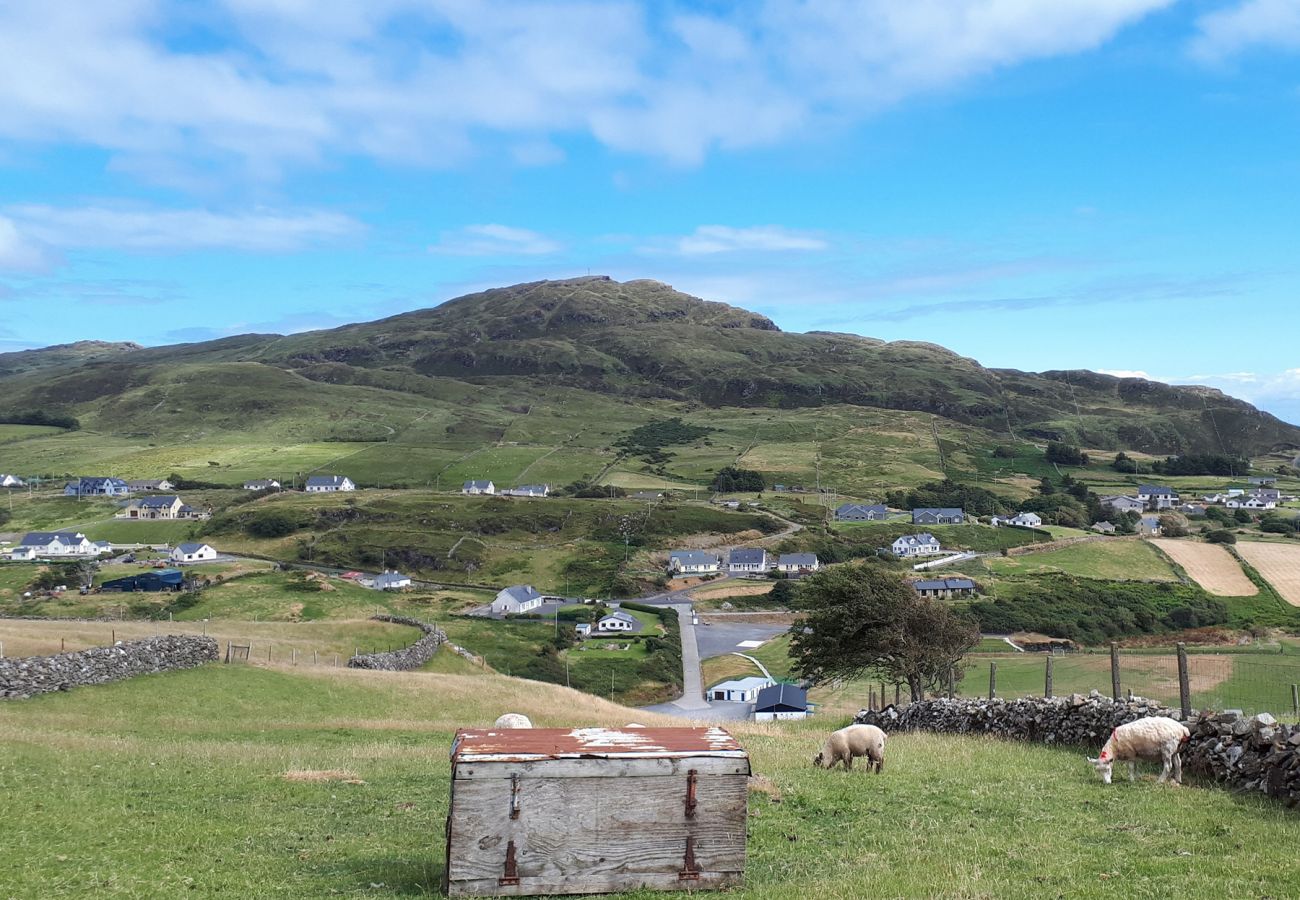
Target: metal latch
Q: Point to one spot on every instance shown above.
(511, 873)
(690, 871)
(692, 778)
(514, 796)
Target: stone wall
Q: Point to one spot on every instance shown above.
(26, 676)
(1255, 753)
(407, 658)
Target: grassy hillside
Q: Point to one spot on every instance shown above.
(541, 382)
(243, 781)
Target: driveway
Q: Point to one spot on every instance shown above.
(720, 638)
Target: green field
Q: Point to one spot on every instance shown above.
(243, 781)
(1109, 560)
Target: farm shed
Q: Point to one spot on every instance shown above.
(781, 701)
(557, 811)
(161, 580)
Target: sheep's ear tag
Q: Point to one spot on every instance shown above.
(1104, 756)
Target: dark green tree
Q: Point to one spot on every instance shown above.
(861, 619)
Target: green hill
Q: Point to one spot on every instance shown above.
(544, 380)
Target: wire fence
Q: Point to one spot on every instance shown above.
(1251, 682)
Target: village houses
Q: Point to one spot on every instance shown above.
(59, 544)
(96, 487)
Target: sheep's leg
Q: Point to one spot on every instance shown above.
(880, 765)
(1177, 763)
(848, 763)
(1132, 770)
(1167, 765)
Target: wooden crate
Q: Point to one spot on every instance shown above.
(595, 810)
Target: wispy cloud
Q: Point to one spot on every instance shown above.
(1226, 32)
(708, 240)
(147, 229)
(495, 240)
(266, 86)
(18, 253)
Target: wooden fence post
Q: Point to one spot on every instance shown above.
(1295, 694)
(871, 697)
(882, 695)
(1114, 671)
(1184, 684)
(898, 694)
(993, 680)
(952, 681)
(1047, 684)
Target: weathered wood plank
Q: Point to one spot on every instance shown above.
(488, 887)
(595, 827)
(602, 768)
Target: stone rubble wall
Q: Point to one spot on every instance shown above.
(1244, 753)
(25, 677)
(408, 658)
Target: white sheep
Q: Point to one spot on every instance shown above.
(513, 720)
(1156, 737)
(854, 740)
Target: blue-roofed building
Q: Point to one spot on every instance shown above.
(780, 702)
(944, 587)
(693, 562)
(328, 484)
(747, 561)
(157, 580)
(96, 487)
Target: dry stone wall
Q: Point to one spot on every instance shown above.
(27, 676)
(1246, 753)
(407, 658)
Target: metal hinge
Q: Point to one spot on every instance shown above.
(511, 873)
(514, 796)
(692, 777)
(690, 871)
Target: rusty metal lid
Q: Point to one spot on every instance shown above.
(522, 744)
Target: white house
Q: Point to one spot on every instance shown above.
(526, 490)
(583, 629)
(391, 581)
(262, 484)
(781, 702)
(1157, 496)
(150, 484)
(22, 554)
(740, 690)
(693, 562)
(96, 487)
(618, 621)
(328, 484)
(11, 481)
(1250, 501)
(59, 543)
(191, 552)
(792, 563)
(516, 599)
(478, 487)
(747, 560)
(164, 506)
(1020, 520)
(923, 544)
(1149, 525)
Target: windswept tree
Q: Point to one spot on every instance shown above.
(861, 619)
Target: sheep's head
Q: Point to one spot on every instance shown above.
(820, 760)
(1103, 766)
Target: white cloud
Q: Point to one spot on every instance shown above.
(18, 253)
(141, 228)
(266, 86)
(710, 239)
(1130, 373)
(1226, 32)
(495, 240)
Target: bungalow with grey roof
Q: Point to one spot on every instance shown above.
(328, 484)
(390, 581)
(528, 490)
(619, 620)
(1104, 528)
(1264, 480)
(781, 702)
(693, 562)
(11, 481)
(1019, 520)
(516, 599)
(150, 484)
(861, 512)
(739, 690)
(262, 484)
(923, 544)
(944, 587)
(747, 560)
(1122, 503)
(478, 487)
(192, 552)
(791, 563)
(938, 516)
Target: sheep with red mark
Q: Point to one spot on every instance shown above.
(1152, 738)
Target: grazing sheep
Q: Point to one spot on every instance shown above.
(513, 720)
(855, 740)
(1156, 737)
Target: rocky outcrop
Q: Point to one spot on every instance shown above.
(27, 676)
(1245, 753)
(407, 658)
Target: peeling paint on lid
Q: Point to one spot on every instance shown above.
(520, 744)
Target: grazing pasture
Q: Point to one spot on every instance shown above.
(1279, 564)
(1110, 560)
(274, 782)
(1209, 565)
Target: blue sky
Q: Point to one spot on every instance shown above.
(1105, 184)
